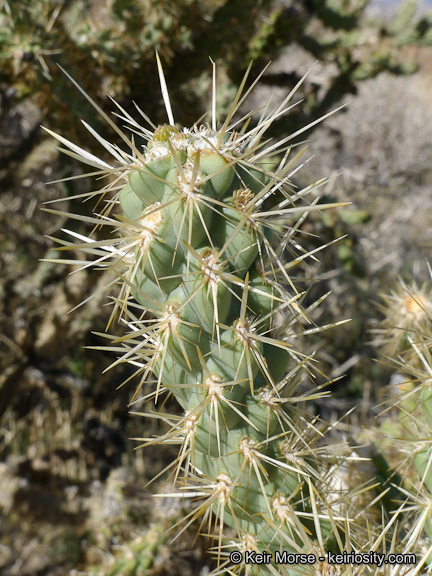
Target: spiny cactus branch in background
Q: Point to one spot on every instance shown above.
(203, 238)
(404, 335)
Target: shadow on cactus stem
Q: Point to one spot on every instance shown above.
(213, 315)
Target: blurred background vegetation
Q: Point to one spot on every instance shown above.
(73, 492)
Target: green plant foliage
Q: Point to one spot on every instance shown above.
(110, 49)
(410, 28)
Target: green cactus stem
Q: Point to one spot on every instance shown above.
(212, 315)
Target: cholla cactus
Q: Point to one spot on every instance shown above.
(203, 259)
(406, 329)
(407, 309)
